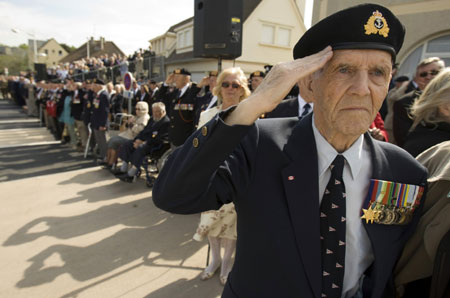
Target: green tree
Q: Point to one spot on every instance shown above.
(14, 63)
(24, 47)
(69, 49)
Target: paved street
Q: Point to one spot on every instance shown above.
(70, 229)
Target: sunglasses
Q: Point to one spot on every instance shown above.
(424, 74)
(233, 85)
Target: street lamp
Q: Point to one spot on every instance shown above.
(34, 43)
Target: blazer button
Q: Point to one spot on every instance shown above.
(204, 131)
(195, 142)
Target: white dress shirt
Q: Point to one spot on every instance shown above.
(301, 105)
(357, 175)
(212, 102)
(183, 90)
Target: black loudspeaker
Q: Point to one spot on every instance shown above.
(41, 72)
(218, 28)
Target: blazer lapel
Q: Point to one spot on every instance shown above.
(301, 188)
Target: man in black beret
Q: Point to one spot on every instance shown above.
(180, 103)
(205, 97)
(320, 211)
(256, 78)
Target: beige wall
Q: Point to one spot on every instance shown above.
(278, 12)
(423, 20)
(49, 53)
(163, 43)
(255, 54)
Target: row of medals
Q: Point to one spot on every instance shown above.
(389, 215)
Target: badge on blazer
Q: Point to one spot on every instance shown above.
(391, 203)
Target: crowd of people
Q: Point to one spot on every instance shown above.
(179, 117)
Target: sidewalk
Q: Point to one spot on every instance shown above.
(83, 233)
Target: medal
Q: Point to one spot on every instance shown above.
(391, 202)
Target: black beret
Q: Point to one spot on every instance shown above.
(152, 82)
(401, 79)
(257, 74)
(365, 26)
(267, 68)
(182, 71)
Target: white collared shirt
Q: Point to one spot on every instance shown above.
(183, 90)
(301, 105)
(357, 175)
(212, 102)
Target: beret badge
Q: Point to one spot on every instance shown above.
(376, 24)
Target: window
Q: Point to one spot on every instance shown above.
(189, 38)
(180, 39)
(283, 37)
(185, 38)
(46, 52)
(277, 35)
(438, 47)
(53, 51)
(60, 53)
(268, 34)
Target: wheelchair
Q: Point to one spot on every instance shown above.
(154, 162)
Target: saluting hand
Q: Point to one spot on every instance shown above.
(275, 86)
(203, 82)
(170, 79)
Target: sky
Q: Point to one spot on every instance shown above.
(130, 23)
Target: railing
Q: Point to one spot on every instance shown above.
(151, 67)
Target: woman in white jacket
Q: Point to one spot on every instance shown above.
(134, 126)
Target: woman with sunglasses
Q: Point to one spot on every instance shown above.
(431, 116)
(219, 226)
(134, 126)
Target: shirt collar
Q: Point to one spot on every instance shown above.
(326, 153)
(184, 89)
(301, 104)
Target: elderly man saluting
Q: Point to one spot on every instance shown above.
(323, 209)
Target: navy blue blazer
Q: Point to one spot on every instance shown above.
(278, 225)
(286, 108)
(99, 116)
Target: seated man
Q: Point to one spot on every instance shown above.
(153, 135)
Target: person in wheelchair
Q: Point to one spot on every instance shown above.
(152, 138)
(133, 125)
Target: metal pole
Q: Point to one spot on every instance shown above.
(219, 66)
(150, 72)
(87, 45)
(163, 68)
(35, 49)
(130, 109)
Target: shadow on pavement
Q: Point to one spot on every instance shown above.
(184, 288)
(31, 161)
(151, 235)
(135, 214)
